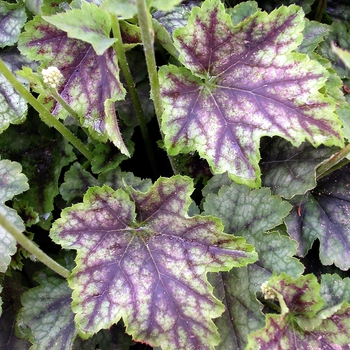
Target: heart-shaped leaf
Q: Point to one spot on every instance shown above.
(146, 261)
(240, 83)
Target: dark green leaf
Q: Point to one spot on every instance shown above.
(324, 214)
(289, 170)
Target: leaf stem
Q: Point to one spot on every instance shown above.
(32, 248)
(119, 49)
(333, 163)
(45, 115)
(147, 36)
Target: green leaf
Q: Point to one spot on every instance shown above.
(128, 8)
(314, 33)
(141, 258)
(12, 182)
(323, 214)
(90, 24)
(91, 82)
(47, 312)
(242, 11)
(340, 35)
(43, 153)
(240, 83)
(12, 19)
(344, 55)
(13, 105)
(77, 180)
(334, 290)
(290, 170)
(248, 213)
(301, 304)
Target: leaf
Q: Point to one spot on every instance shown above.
(242, 11)
(340, 35)
(289, 170)
(91, 82)
(313, 35)
(12, 182)
(43, 153)
(140, 257)
(344, 55)
(323, 214)
(240, 83)
(301, 307)
(128, 8)
(334, 290)
(13, 105)
(12, 19)
(248, 213)
(77, 180)
(47, 312)
(90, 24)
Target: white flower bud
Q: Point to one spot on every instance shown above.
(268, 291)
(52, 77)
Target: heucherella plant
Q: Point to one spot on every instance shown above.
(181, 170)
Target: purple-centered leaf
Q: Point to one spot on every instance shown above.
(302, 324)
(240, 83)
(146, 261)
(91, 82)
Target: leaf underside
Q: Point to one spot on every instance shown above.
(148, 266)
(240, 83)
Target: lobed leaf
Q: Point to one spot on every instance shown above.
(12, 19)
(248, 213)
(47, 312)
(141, 258)
(13, 105)
(91, 82)
(290, 170)
(301, 324)
(323, 214)
(12, 182)
(240, 83)
(90, 24)
(43, 153)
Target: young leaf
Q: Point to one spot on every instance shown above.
(324, 214)
(301, 303)
(240, 83)
(12, 182)
(89, 80)
(47, 312)
(145, 260)
(12, 19)
(90, 24)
